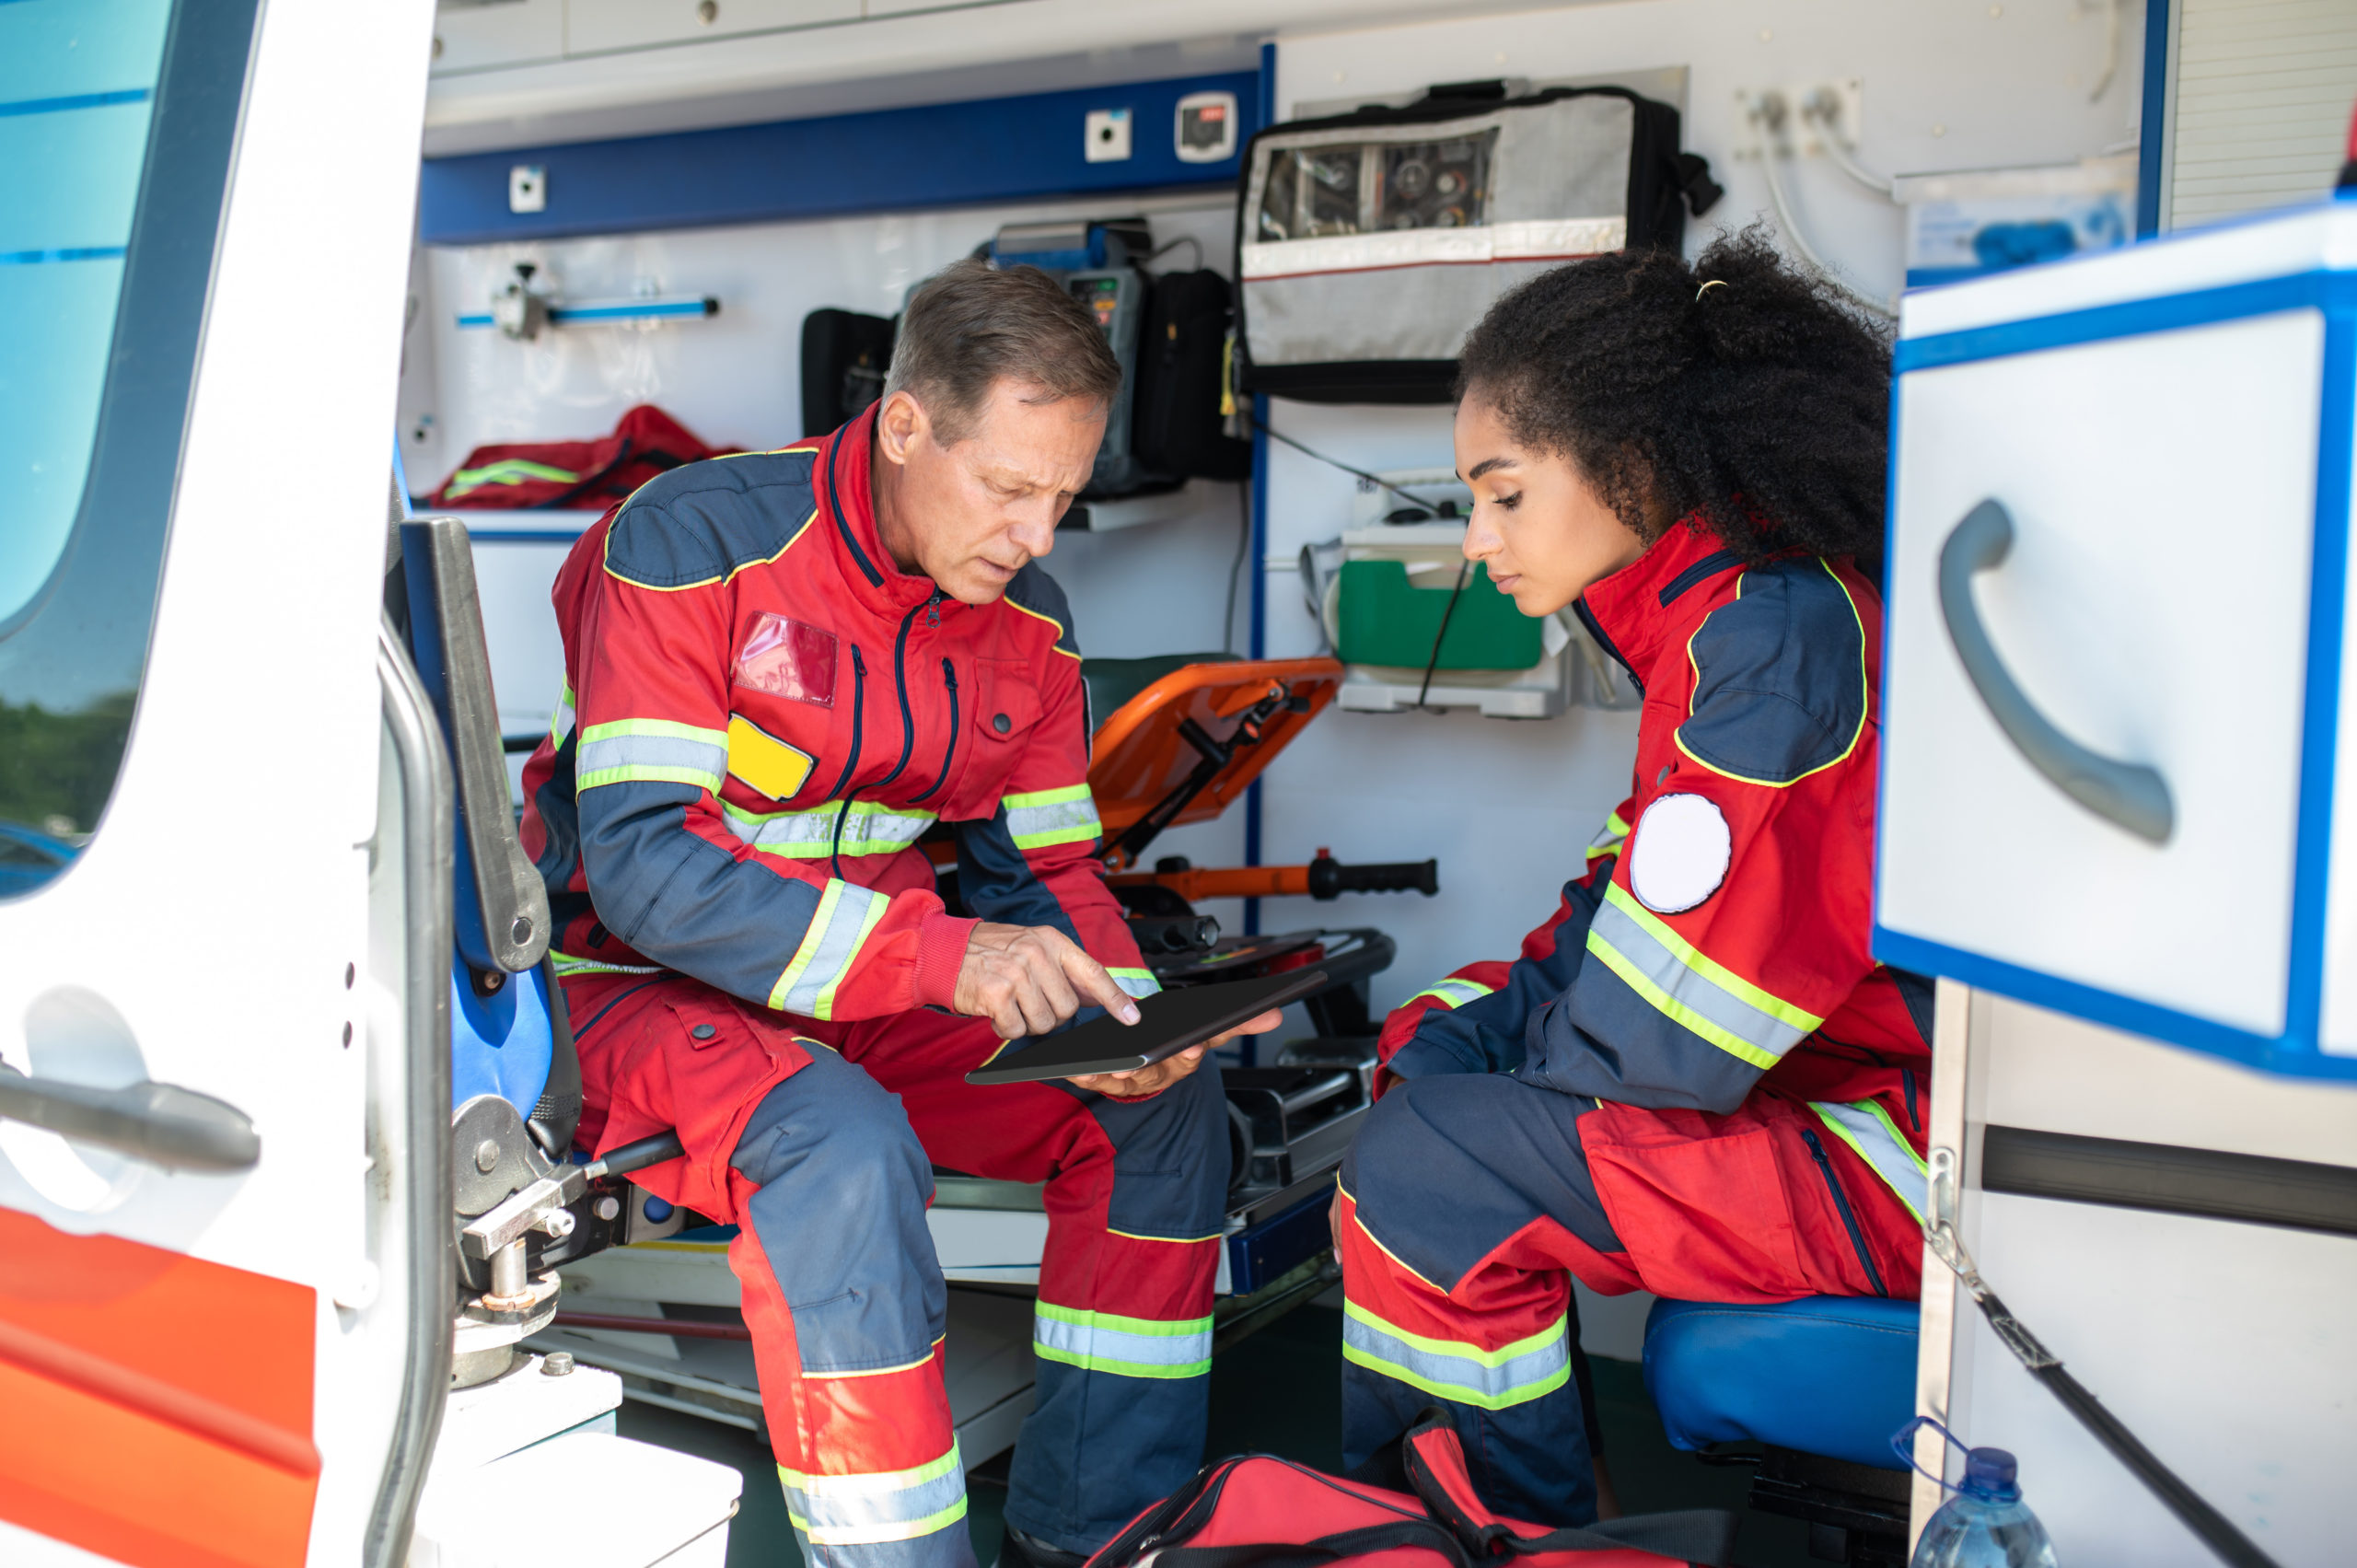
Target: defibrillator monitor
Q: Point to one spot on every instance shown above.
(1168, 1022)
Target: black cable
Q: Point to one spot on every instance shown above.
(1449, 609)
(1416, 501)
(1168, 246)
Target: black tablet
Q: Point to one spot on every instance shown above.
(1168, 1022)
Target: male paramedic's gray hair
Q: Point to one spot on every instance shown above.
(972, 325)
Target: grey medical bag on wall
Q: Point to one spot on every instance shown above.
(1368, 244)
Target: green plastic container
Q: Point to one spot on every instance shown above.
(1384, 621)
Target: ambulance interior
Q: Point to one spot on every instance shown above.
(716, 209)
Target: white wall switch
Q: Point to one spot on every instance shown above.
(528, 188)
(1108, 132)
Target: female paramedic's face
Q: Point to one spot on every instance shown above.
(1539, 527)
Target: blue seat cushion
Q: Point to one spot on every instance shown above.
(1824, 1374)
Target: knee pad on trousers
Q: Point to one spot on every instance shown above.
(1171, 1158)
(840, 1217)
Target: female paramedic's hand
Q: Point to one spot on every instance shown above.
(1028, 979)
(1163, 1073)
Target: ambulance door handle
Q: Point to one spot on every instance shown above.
(162, 1124)
(2129, 795)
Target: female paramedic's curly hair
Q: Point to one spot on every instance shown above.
(1736, 388)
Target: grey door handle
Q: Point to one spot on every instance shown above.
(160, 1124)
(2128, 794)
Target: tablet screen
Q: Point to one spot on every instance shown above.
(1168, 1022)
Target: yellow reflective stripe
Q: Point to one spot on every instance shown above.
(876, 905)
(650, 751)
(1867, 1128)
(565, 964)
(864, 1510)
(1062, 630)
(1046, 816)
(810, 835)
(507, 470)
(1135, 982)
(1615, 833)
(1690, 988)
(1128, 1347)
(561, 721)
(1455, 994)
(839, 928)
(1452, 1369)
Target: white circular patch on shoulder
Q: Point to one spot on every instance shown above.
(1679, 853)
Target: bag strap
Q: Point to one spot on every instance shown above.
(1699, 1536)
(1362, 1542)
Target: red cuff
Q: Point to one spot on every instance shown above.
(941, 953)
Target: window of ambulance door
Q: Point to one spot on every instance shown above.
(117, 121)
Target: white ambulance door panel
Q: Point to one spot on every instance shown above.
(2154, 607)
(205, 208)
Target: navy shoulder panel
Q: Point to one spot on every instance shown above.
(705, 522)
(1036, 593)
(1779, 677)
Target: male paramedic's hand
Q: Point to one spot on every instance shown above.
(1028, 979)
(1162, 1075)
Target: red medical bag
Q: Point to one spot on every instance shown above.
(591, 475)
(1258, 1512)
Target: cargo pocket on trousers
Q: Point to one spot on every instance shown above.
(1705, 1217)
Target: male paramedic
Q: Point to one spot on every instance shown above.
(1694, 1080)
(783, 668)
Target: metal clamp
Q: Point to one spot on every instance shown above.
(2129, 795)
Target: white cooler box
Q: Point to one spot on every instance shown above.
(2160, 833)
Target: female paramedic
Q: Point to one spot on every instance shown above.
(1694, 1080)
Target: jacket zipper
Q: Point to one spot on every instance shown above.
(1587, 619)
(1906, 1076)
(908, 729)
(949, 680)
(858, 713)
(1841, 1201)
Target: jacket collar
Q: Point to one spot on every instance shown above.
(1636, 608)
(850, 502)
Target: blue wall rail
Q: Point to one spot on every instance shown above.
(894, 159)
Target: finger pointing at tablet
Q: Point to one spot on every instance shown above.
(1028, 978)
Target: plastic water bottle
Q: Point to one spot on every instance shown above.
(1986, 1524)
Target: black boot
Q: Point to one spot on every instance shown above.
(1016, 1549)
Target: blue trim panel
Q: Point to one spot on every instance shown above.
(2296, 1052)
(77, 100)
(966, 154)
(2157, 26)
(1264, 103)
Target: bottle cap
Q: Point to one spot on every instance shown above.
(1991, 1473)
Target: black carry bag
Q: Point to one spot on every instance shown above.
(1181, 357)
(845, 359)
(1368, 244)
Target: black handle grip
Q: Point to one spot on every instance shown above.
(1329, 876)
(665, 1145)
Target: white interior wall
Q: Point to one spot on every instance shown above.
(1508, 807)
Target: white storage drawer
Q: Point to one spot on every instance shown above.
(2111, 749)
(594, 27)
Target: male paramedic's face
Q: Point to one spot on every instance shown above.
(1539, 527)
(972, 514)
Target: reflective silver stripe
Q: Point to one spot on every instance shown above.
(844, 917)
(1615, 834)
(1130, 1347)
(810, 835)
(1511, 1375)
(1867, 1128)
(1052, 817)
(865, 1510)
(1457, 993)
(1684, 993)
(1135, 982)
(650, 749)
(560, 722)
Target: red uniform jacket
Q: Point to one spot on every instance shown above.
(763, 714)
(1717, 962)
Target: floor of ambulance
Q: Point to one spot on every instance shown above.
(1277, 1392)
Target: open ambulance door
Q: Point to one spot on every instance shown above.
(224, 813)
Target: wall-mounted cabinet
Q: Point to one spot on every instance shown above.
(478, 35)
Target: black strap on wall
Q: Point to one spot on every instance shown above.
(2166, 1178)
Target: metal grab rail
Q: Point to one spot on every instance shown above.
(2129, 795)
(429, 851)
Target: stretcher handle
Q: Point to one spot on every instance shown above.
(2129, 795)
(663, 1145)
(1329, 876)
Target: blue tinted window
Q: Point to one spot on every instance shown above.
(117, 121)
(77, 88)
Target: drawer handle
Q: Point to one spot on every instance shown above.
(2130, 794)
